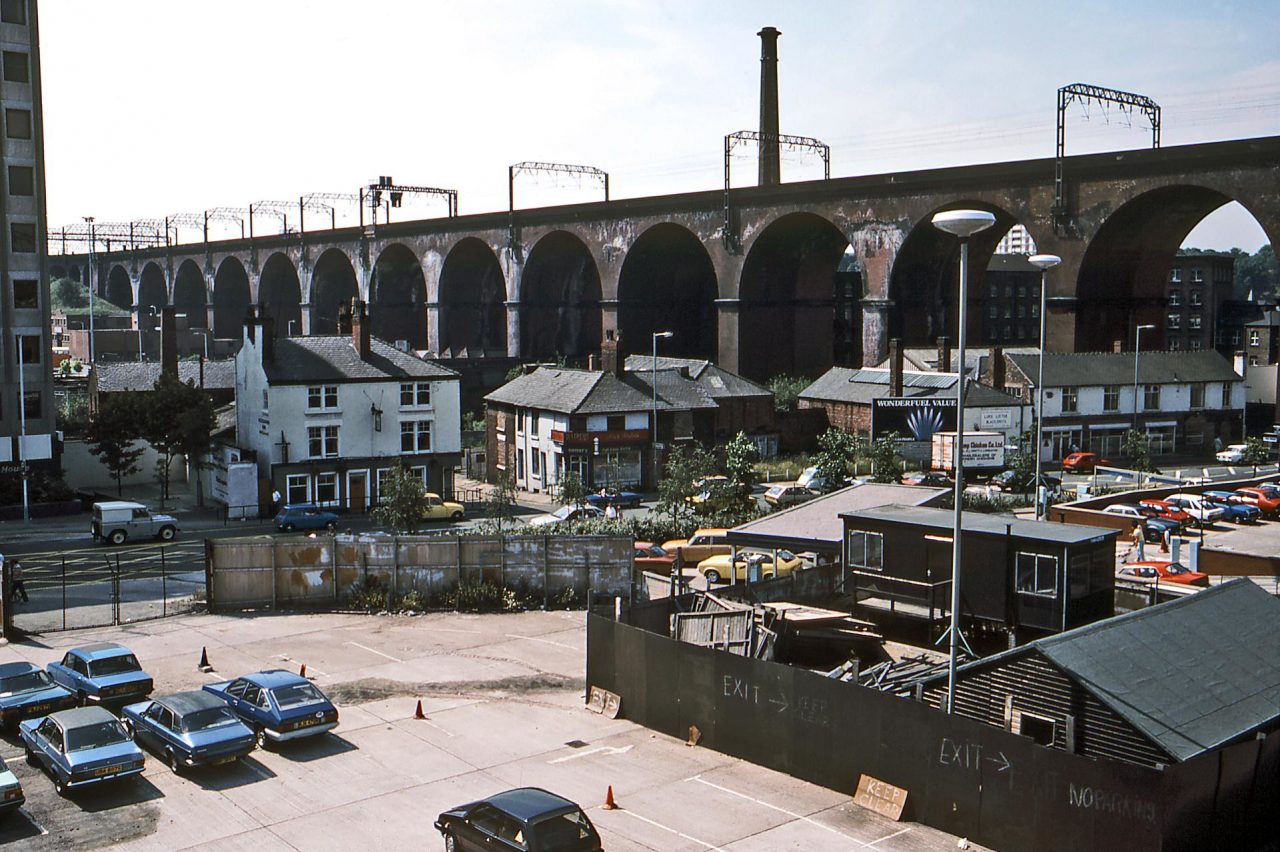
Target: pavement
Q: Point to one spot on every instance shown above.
(503, 696)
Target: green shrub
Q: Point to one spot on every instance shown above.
(481, 597)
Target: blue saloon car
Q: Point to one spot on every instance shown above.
(26, 690)
(304, 516)
(277, 705)
(102, 672)
(81, 746)
(11, 797)
(189, 729)
(619, 499)
(1236, 511)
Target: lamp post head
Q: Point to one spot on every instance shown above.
(963, 223)
(1044, 261)
(663, 334)
(1145, 326)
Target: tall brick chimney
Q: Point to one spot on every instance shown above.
(168, 342)
(770, 158)
(360, 329)
(268, 335)
(344, 318)
(944, 354)
(895, 367)
(610, 354)
(995, 369)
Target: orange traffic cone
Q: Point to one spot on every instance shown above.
(302, 671)
(609, 803)
(203, 665)
(417, 713)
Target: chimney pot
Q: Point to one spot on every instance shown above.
(944, 354)
(360, 329)
(996, 368)
(895, 367)
(610, 353)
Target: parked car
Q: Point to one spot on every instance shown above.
(81, 746)
(1153, 527)
(1267, 500)
(1237, 509)
(1083, 462)
(716, 568)
(117, 521)
(1232, 454)
(1164, 572)
(525, 818)
(1012, 481)
(305, 516)
(705, 542)
(716, 494)
(788, 495)
(1197, 507)
(567, 513)
(11, 796)
(811, 479)
(442, 510)
(26, 690)
(101, 672)
(277, 705)
(620, 499)
(929, 478)
(1164, 509)
(189, 729)
(652, 557)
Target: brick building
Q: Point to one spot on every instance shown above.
(1198, 285)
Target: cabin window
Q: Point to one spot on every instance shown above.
(1038, 574)
(866, 550)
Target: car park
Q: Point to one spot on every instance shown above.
(1197, 507)
(1232, 454)
(525, 818)
(1237, 510)
(189, 729)
(26, 691)
(117, 521)
(929, 478)
(612, 496)
(788, 495)
(277, 705)
(1164, 509)
(705, 542)
(1267, 501)
(442, 510)
(305, 516)
(652, 557)
(758, 564)
(1083, 462)
(1163, 572)
(566, 514)
(81, 746)
(11, 796)
(102, 672)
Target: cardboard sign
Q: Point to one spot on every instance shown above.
(604, 702)
(881, 797)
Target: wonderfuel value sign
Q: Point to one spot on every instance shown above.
(913, 418)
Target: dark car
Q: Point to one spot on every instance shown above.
(929, 478)
(189, 729)
(85, 745)
(277, 705)
(11, 795)
(305, 517)
(524, 818)
(1013, 481)
(619, 499)
(102, 672)
(26, 690)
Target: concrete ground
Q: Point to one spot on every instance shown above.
(503, 695)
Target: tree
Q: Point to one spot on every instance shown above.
(1134, 445)
(66, 293)
(1256, 272)
(573, 491)
(404, 501)
(112, 435)
(740, 457)
(686, 464)
(886, 463)
(837, 452)
(499, 505)
(1023, 462)
(178, 420)
(1256, 452)
(786, 391)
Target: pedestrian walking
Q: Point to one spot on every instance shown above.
(1138, 545)
(610, 512)
(18, 587)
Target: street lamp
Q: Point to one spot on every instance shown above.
(654, 423)
(22, 430)
(963, 224)
(1043, 262)
(151, 311)
(292, 323)
(1137, 347)
(92, 241)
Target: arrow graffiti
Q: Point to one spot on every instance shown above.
(1003, 762)
(597, 750)
(780, 703)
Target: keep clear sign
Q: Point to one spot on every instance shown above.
(812, 710)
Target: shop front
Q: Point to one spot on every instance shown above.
(615, 458)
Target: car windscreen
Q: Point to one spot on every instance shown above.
(296, 695)
(95, 736)
(656, 550)
(210, 717)
(121, 664)
(24, 682)
(563, 830)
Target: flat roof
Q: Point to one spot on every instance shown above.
(982, 523)
(816, 525)
(1261, 540)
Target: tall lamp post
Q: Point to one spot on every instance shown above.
(654, 423)
(92, 243)
(1043, 262)
(151, 312)
(963, 224)
(1137, 347)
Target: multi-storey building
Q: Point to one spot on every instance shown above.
(26, 371)
(1008, 301)
(1198, 285)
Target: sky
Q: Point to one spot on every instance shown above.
(156, 107)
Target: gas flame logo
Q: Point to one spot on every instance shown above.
(924, 422)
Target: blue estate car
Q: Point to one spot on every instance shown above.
(1236, 511)
(85, 745)
(277, 705)
(26, 690)
(102, 672)
(11, 797)
(189, 729)
(305, 517)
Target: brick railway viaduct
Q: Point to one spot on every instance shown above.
(539, 283)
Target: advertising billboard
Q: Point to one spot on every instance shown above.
(913, 418)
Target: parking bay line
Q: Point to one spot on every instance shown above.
(656, 824)
(544, 641)
(792, 814)
(888, 837)
(375, 651)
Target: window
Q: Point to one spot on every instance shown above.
(13, 12)
(1175, 275)
(995, 291)
(1197, 298)
(1174, 344)
(866, 550)
(322, 442)
(1038, 574)
(22, 237)
(1193, 321)
(22, 180)
(1253, 361)
(1175, 321)
(1039, 728)
(1197, 276)
(17, 123)
(16, 67)
(26, 293)
(29, 348)
(535, 467)
(1193, 344)
(1022, 311)
(1111, 398)
(1151, 397)
(415, 436)
(993, 312)
(616, 422)
(1235, 337)
(1197, 395)
(519, 463)
(1070, 399)
(322, 397)
(1253, 338)
(1226, 394)
(415, 394)
(533, 423)
(297, 488)
(31, 405)
(327, 489)
(265, 394)
(1175, 298)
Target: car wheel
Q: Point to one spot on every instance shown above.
(331, 526)
(59, 786)
(82, 700)
(261, 740)
(118, 537)
(32, 760)
(128, 728)
(713, 576)
(457, 516)
(171, 758)
(167, 533)
(451, 841)
(287, 528)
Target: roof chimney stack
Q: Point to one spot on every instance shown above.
(360, 329)
(168, 342)
(610, 356)
(770, 158)
(895, 367)
(995, 369)
(944, 354)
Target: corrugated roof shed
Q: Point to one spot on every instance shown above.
(846, 384)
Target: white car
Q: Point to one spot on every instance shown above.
(1197, 507)
(566, 513)
(1233, 454)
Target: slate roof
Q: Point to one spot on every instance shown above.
(925, 358)
(333, 358)
(572, 391)
(117, 376)
(1087, 369)
(716, 381)
(944, 519)
(678, 392)
(1192, 674)
(1269, 318)
(846, 384)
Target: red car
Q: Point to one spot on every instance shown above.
(1260, 497)
(1164, 509)
(1083, 462)
(1164, 572)
(652, 557)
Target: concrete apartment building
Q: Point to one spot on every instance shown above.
(24, 294)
